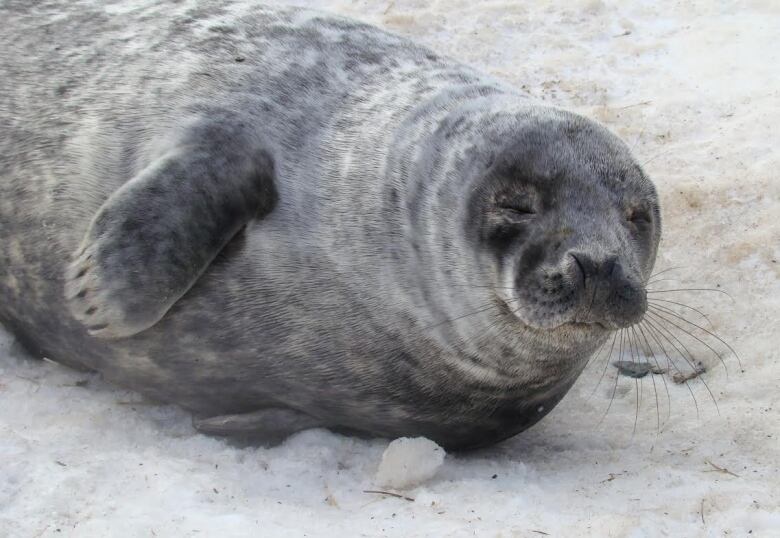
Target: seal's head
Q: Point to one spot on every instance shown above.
(569, 225)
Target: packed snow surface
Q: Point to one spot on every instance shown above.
(695, 90)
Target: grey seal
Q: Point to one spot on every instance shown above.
(281, 219)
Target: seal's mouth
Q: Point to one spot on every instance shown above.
(579, 326)
(589, 325)
(593, 325)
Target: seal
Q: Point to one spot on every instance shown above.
(281, 219)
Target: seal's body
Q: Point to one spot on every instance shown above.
(280, 219)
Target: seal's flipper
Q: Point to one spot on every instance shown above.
(153, 237)
(266, 425)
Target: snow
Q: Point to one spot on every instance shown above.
(408, 462)
(694, 88)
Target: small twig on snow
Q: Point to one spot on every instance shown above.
(390, 493)
(719, 469)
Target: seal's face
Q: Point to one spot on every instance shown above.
(569, 225)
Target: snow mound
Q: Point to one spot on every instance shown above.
(408, 462)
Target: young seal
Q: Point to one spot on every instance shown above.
(282, 219)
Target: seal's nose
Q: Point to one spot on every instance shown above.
(609, 295)
(591, 268)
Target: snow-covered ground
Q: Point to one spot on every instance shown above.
(696, 91)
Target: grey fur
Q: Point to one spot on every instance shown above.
(139, 255)
(280, 213)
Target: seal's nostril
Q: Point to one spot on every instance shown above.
(609, 265)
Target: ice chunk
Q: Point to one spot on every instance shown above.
(408, 462)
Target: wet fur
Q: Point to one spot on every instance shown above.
(325, 288)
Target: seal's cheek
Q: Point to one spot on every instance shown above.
(532, 257)
(501, 238)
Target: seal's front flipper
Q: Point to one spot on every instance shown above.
(265, 426)
(152, 239)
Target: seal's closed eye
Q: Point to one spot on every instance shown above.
(517, 205)
(639, 216)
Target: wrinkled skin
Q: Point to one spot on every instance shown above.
(280, 219)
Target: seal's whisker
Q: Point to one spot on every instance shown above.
(488, 328)
(479, 310)
(655, 334)
(655, 390)
(617, 377)
(606, 363)
(702, 314)
(654, 157)
(691, 362)
(670, 363)
(484, 308)
(637, 381)
(692, 289)
(638, 138)
(654, 282)
(660, 324)
(651, 354)
(667, 270)
(718, 338)
(596, 354)
(658, 312)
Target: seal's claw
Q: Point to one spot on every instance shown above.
(100, 299)
(265, 425)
